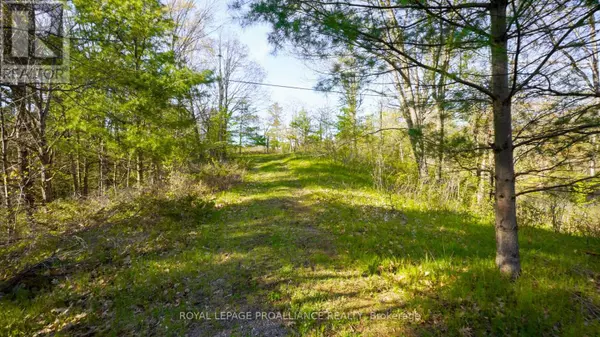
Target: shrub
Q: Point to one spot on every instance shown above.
(220, 176)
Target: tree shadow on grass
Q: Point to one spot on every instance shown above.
(444, 271)
(465, 294)
(303, 252)
(440, 261)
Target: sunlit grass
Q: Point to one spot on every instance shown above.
(304, 235)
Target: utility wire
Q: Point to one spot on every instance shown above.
(299, 88)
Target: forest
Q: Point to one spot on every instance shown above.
(438, 176)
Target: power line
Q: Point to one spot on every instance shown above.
(299, 88)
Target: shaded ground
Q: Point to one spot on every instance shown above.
(300, 237)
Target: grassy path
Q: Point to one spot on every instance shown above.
(306, 238)
(315, 237)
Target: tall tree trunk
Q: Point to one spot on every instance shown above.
(10, 221)
(507, 243)
(115, 174)
(46, 157)
(139, 165)
(222, 151)
(46, 177)
(267, 139)
(73, 165)
(25, 182)
(128, 177)
(240, 135)
(78, 166)
(482, 174)
(442, 60)
(158, 171)
(418, 148)
(353, 108)
(485, 169)
(100, 171)
(408, 98)
(74, 175)
(414, 129)
(103, 170)
(596, 88)
(380, 159)
(593, 163)
(441, 144)
(85, 179)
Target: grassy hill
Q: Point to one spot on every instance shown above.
(300, 238)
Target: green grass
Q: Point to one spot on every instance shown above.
(300, 236)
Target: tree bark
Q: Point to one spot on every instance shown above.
(128, 176)
(46, 177)
(101, 169)
(79, 183)
(25, 182)
(240, 133)
(414, 129)
(46, 157)
(481, 177)
(139, 164)
(442, 60)
(441, 144)
(593, 164)
(74, 174)
(267, 139)
(157, 175)
(507, 243)
(85, 178)
(115, 175)
(11, 221)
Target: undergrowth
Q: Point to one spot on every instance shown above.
(299, 236)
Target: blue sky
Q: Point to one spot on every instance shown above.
(281, 69)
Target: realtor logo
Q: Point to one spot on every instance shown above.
(33, 40)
